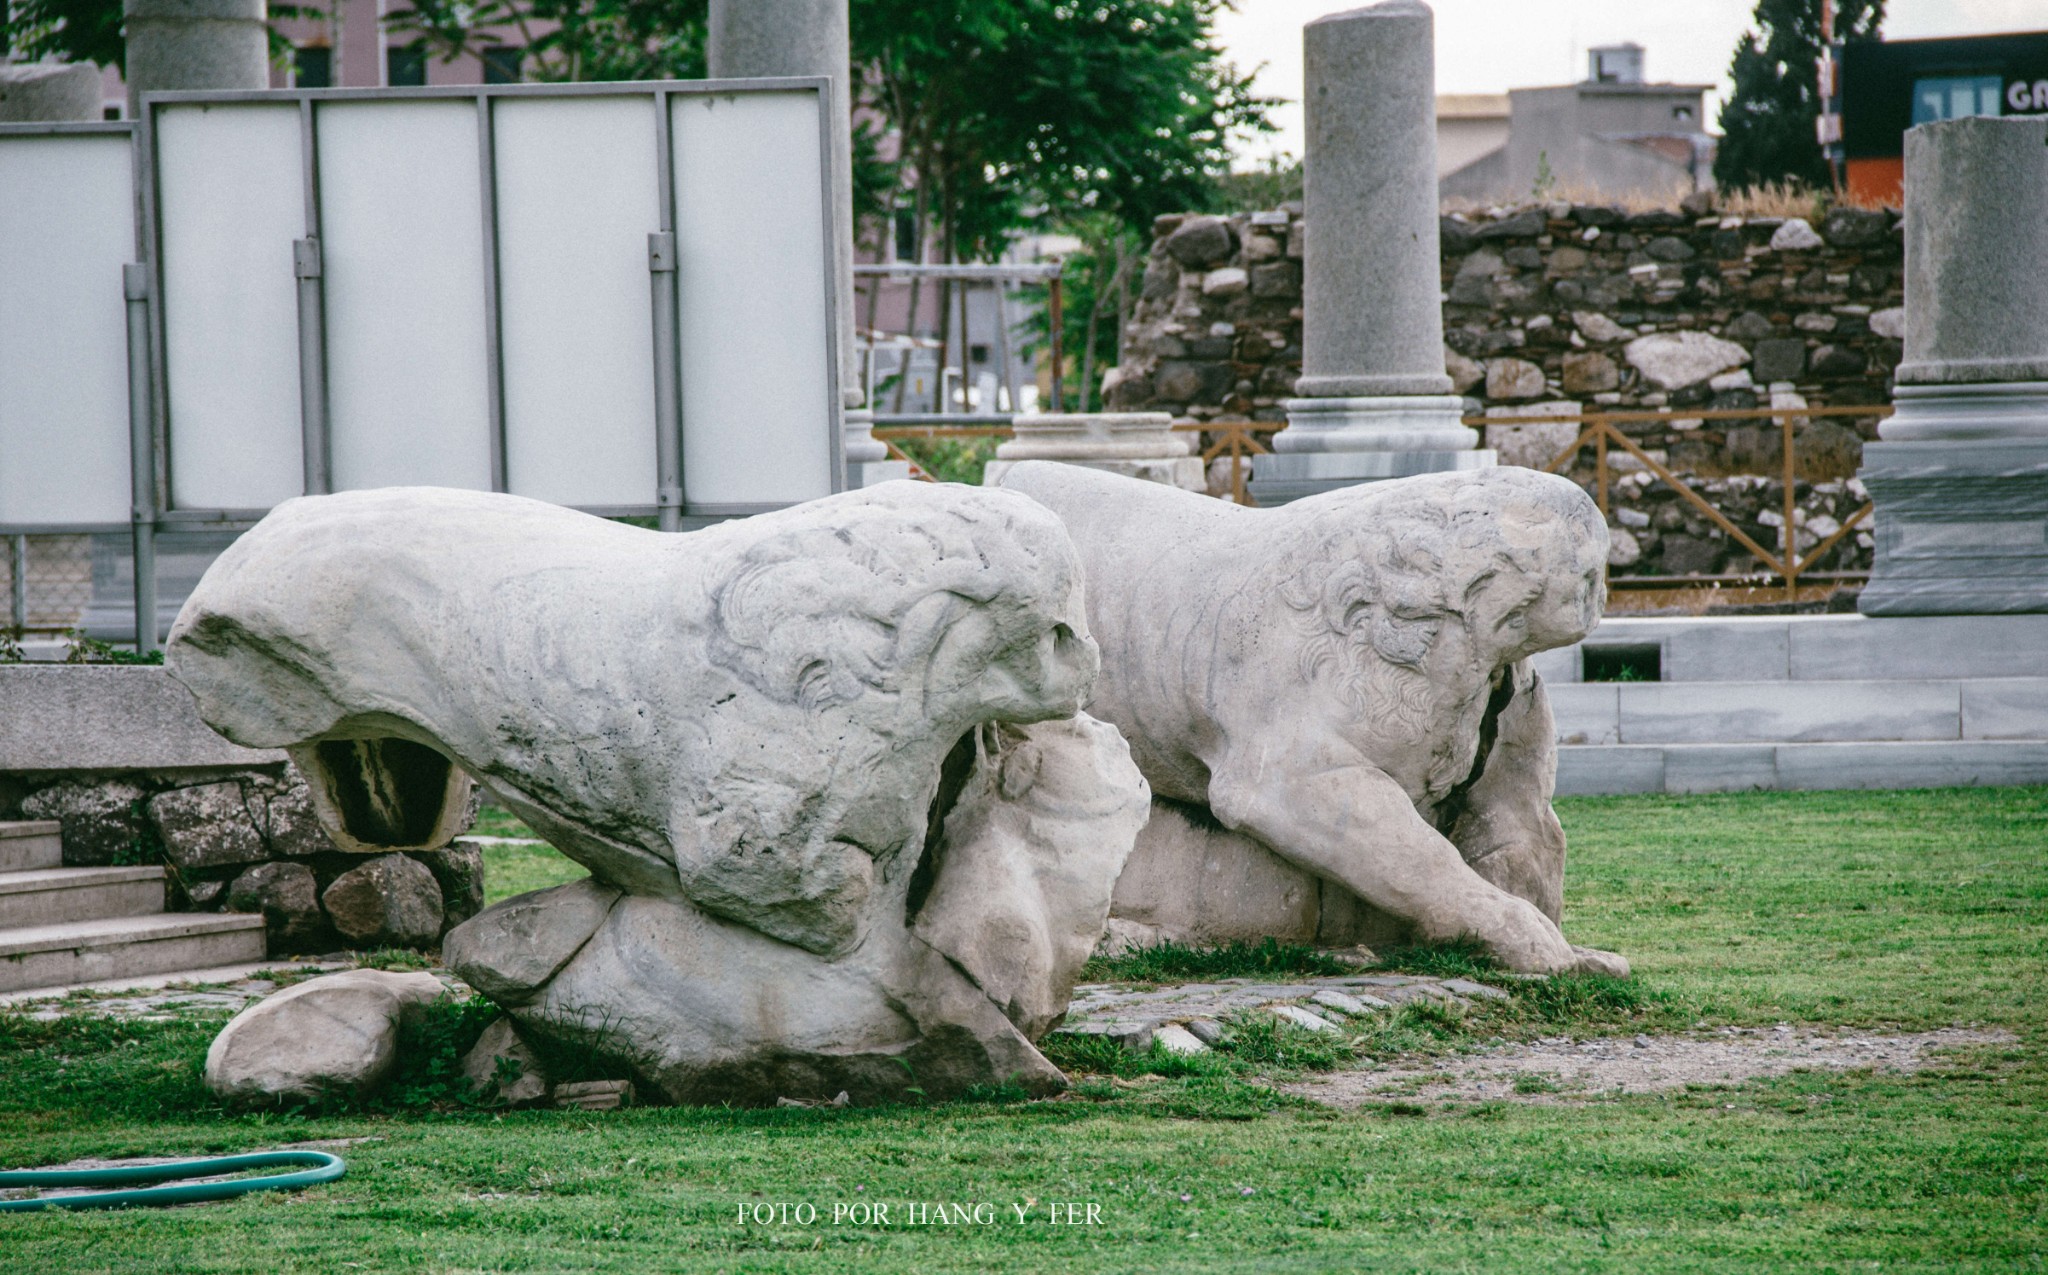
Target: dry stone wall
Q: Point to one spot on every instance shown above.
(247, 840)
(1559, 308)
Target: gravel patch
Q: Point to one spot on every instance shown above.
(1562, 1070)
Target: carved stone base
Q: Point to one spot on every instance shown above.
(1962, 527)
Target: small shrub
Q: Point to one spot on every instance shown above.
(431, 1044)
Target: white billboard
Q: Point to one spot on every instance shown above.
(617, 297)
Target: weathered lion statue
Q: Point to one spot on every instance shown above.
(846, 827)
(1345, 682)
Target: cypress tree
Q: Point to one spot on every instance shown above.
(1768, 122)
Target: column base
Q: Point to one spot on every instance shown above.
(1279, 479)
(1961, 526)
(1184, 472)
(866, 473)
(1999, 411)
(1392, 423)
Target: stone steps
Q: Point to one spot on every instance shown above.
(52, 896)
(64, 926)
(26, 845)
(1802, 703)
(126, 947)
(2001, 708)
(1592, 770)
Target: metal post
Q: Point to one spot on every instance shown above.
(312, 367)
(18, 584)
(668, 435)
(1789, 547)
(1003, 347)
(141, 457)
(1053, 302)
(966, 364)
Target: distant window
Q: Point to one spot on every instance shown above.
(110, 112)
(1952, 97)
(1681, 112)
(977, 353)
(906, 234)
(502, 65)
(314, 66)
(405, 67)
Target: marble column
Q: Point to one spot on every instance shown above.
(196, 44)
(1374, 400)
(751, 39)
(1139, 445)
(1960, 474)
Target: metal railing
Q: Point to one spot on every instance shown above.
(1001, 277)
(1601, 431)
(48, 581)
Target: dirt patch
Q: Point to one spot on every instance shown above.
(1561, 1070)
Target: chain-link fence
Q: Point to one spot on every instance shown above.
(48, 581)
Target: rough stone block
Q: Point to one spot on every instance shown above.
(100, 822)
(335, 1034)
(391, 901)
(206, 826)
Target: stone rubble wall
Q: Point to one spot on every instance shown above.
(1556, 309)
(246, 840)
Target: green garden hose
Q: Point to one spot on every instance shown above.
(326, 1168)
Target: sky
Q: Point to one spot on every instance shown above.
(1491, 46)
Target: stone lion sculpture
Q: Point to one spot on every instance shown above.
(1343, 681)
(845, 826)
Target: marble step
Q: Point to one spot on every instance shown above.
(52, 896)
(1587, 771)
(26, 845)
(126, 947)
(1820, 648)
(1595, 713)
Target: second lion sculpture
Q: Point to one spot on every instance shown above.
(1345, 680)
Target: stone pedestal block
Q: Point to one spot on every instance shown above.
(1135, 444)
(1962, 526)
(1960, 478)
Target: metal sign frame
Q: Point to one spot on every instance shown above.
(138, 346)
(672, 509)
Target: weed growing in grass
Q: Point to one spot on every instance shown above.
(1267, 958)
(431, 1044)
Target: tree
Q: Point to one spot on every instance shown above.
(1768, 122)
(93, 31)
(69, 30)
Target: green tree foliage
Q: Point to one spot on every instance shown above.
(1768, 121)
(1018, 111)
(569, 39)
(69, 30)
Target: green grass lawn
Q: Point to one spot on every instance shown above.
(1866, 910)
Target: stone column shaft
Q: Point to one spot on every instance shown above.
(1374, 400)
(196, 44)
(758, 38)
(1373, 309)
